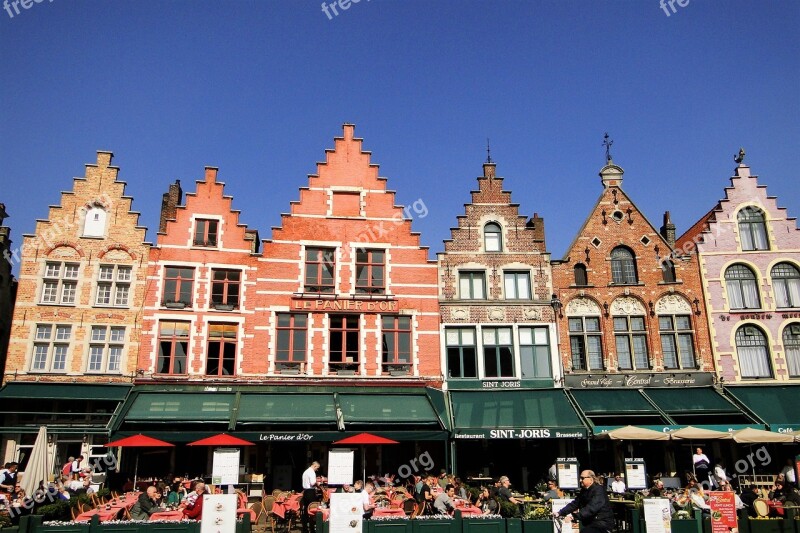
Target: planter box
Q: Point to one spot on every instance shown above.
(388, 526)
(489, 525)
(537, 526)
(435, 526)
(685, 526)
(772, 526)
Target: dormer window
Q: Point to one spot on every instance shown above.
(94, 225)
(623, 266)
(752, 229)
(493, 237)
(205, 233)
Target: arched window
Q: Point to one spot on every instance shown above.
(581, 277)
(752, 230)
(493, 237)
(786, 284)
(623, 266)
(742, 288)
(668, 271)
(94, 225)
(791, 346)
(753, 352)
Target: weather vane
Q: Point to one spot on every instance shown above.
(739, 158)
(607, 143)
(488, 151)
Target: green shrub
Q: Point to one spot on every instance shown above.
(508, 509)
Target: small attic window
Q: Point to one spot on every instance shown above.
(617, 216)
(94, 225)
(645, 240)
(596, 242)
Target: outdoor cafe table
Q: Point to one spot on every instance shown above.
(168, 516)
(102, 513)
(388, 511)
(282, 505)
(325, 512)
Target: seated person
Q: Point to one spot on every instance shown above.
(618, 486)
(366, 499)
(194, 510)
(146, 505)
(657, 489)
(552, 491)
(486, 503)
(504, 491)
(778, 491)
(443, 504)
(749, 495)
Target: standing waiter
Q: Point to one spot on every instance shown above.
(309, 492)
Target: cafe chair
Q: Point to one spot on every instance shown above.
(74, 511)
(409, 506)
(761, 507)
(420, 509)
(276, 493)
(258, 509)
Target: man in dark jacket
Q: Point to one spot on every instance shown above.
(146, 505)
(591, 506)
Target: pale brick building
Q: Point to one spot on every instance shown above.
(77, 316)
(749, 258)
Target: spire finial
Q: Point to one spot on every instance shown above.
(607, 142)
(488, 151)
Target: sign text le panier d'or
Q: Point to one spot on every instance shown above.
(345, 305)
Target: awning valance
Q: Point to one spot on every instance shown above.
(181, 407)
(522, 414)
(279, 409)
(63, 391)
(775, 406)
(696, 406)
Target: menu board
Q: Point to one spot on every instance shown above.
(225, 470)
(635, 474)
(347, 512)
(567, 469)
(219, 513)
(723, 511)
(340, 466)
(658, 515)
(558, 504)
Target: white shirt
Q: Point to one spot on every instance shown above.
(618, 487)
(788, 473)
(365, 502)
(696, 458)
(720, 474)
(309, 478)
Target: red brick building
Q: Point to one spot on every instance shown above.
(75, 332)
(633, 320)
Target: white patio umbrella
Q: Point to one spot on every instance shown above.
(633, 433)
(38, 467)
(757, 436)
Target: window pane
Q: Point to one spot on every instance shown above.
(504, 336)
(575, 324)
(637, 323)
(525, 336)
(670, 351)
(592, 324)
(540, 336)
(665, 323)
(620, 324)
(683, 322)
(468, 337)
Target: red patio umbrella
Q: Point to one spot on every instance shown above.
(223, 439)
(363, 439)
(138, 441)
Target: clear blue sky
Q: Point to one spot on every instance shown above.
(260, 88)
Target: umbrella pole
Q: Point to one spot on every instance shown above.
(364, 464)
(135, 472)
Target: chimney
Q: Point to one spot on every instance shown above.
(536, 223)
(668, 230)
(169, 205)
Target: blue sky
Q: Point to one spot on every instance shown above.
(259, 89)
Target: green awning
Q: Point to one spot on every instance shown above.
(389, 409)
(181, 407)
(286, 408)
(696, 406)
(514, 414)
(774, 405)
(64, 391)
(612, 402)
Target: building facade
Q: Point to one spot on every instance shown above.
(8, 285)
(499, 347)
(77, 316)
(749, 258)
(633, 328)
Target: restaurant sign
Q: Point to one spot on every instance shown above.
(635, 381)
(520, 433)
(345, 305)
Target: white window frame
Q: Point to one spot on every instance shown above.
(114, 281)
(105, 341)
(51, 347)
(60, 283)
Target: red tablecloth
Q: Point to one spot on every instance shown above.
(388, 511)
(325, 512)
(469, 510)
(775, 505)
(290, 504)
(171, 516)
(103, 513)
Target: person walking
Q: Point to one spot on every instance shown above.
(701, 466)
(309, 493)
(591, 506)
